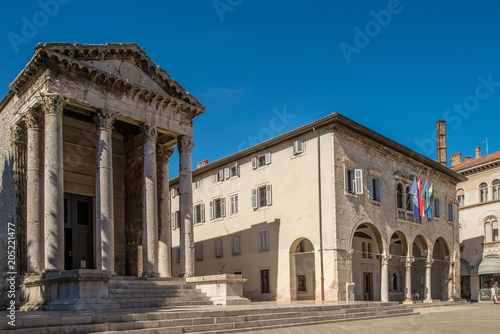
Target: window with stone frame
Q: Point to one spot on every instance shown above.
(199, 213)
(437, 208)
(218, 248)
(450, 211)
(461, 197)
(262, 196)
(483, 192)
(232, 171)
(218, 177)
(399, 196)
(236, 245)
(217, 208)
(263, 240)
(409, 199)
(197, 184)
(234, 204)
(198, 248)
(491, 230)
(496, 189)
(261, 160)
(375, 190)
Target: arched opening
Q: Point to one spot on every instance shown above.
(440, 269)
(461, 197)
(302, 270)
(483, 192)
(367, 245)
(419, 250)
(398, 249)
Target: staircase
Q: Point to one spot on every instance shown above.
(140, 292)
(204, 319)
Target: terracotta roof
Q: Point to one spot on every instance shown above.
(476, 161)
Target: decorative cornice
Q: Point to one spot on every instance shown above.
(105, 119)
(52, 104)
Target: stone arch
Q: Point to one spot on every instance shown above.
(302, 270)
(419, 250)
(380, 243)
(488, 214)
(398, 248)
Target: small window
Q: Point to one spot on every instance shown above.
(353, 180)
(437, 208)
(409, 200)
(199, 213)
(450, 212)
(176, 220)
(298, 147)
(262, 196)
(487, 232)
(460, 197)
(234, 204)
(261, 160)
(263, 240)
(197, 184)
(301, 283)
(218, 177)
(399, 196)
(483, 190)
(233, 171)
(494, 229)
(496, 189)
(218, 248)
(198, 247)
(236, 245)
(375, 188)
(218, 208)
(177, 254)
(265, 281)
(174, 192)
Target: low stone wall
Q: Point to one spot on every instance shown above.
(225, 289)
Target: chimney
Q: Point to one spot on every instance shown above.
(467, 158)
(441, 142)
(456, 159)
(202, 163)
(478, 152)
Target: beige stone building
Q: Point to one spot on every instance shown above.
(86, 135)
(324, 211)
(479, 199)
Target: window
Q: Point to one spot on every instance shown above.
(264, 281)
(366, 250)
(483, 190)
(218, 208)
(234, 204)
(197, 184)
(353, 180)
(176, 220)
(496, 189)
(409, 199)
(298, 147)
(450, 211)
(218, 247)
(236, 245)
(301, 283)
(174, 192)
(218, 177)
(491, 231)
(395, 282)
(263, 240)
(375, 188)
(370, 255)
(261, 161)
(437, 208)
(460, 197)
(177, 252)
(261, 196)
(199, 213)
(230, 172)
(198, 248)
(399, 196)
(363, 250)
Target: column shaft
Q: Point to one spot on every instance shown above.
(408, 292)
(105, 234)
(185, 145)
(149, 203)
(164, 227)
(384, 278)
(53, 183)
(34, 215)
(428, 282)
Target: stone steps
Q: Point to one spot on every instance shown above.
(209, 321)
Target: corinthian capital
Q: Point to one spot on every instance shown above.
(53, 104)
(185, 144)
(105, 119)
(150, 133)
(163, 152)
(33, 118)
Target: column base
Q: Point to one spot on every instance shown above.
(428, 301)
(152, 275)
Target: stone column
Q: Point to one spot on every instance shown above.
(105, 233)
(451, 281)
(428, 280)
(384, 277)
(164, 229)
(149, 203)
(185, 145)
(408, 294)
(34, 193)
(53, 105)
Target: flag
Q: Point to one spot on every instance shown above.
(420, 199)
(431, 200)
(425, 197)
(414, 195)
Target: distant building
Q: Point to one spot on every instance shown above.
(479, 200)
(324, 209)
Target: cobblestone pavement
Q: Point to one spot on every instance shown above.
(469, 318)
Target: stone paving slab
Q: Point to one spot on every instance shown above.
(468, 318)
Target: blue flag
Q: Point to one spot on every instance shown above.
(415, 195)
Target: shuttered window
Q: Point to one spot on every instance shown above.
(236, 245)
(262, 196)
(263, 240)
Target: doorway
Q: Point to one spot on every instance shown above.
(78, 236)
(367, 286)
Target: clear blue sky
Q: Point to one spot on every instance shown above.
(395, 67)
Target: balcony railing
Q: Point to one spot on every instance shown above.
(407, 216)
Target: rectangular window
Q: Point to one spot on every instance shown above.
(177, 254)
(197, 184)
(218, 248)
(199, 213)
(437, 208)
(301, 283)
(264, 281)
(262, 196)
(233, 171)
(375, 188)
(218, 177)
(298, 147)
(370, 255)
(176, 220)
(198, 247)
(450, 212)
(236, 245)
(261, 160)
(234, 204)
(263, 240)
(174, 192)
(218, 208)
(353, 180)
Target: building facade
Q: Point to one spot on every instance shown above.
(324, 212)
(87, 132)
(479, 199)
